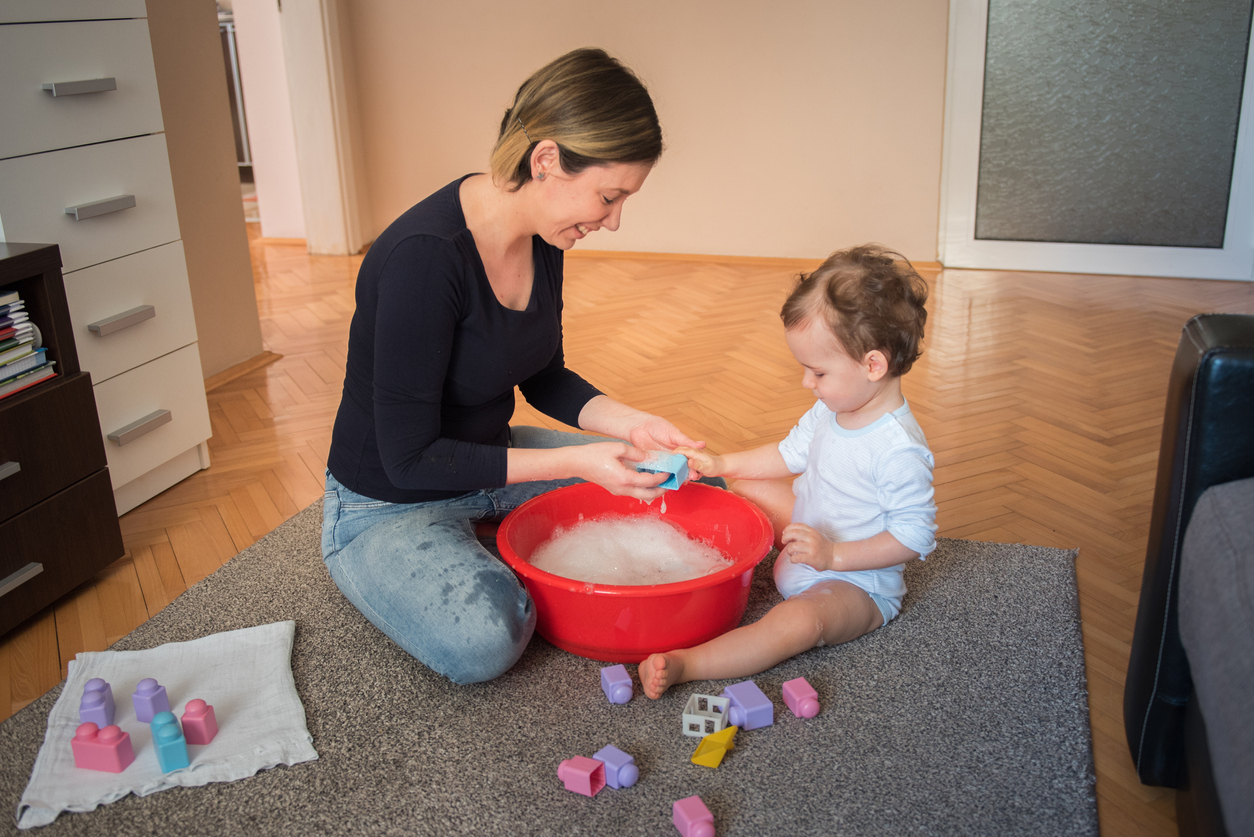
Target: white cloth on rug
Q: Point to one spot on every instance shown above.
(245, 675)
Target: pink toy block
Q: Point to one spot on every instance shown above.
(620, 768)
(692, 818)
(616, 683)
(199, 723)
(750, 708)
(97, 703)
(582, 775)
(107, 749)
(149, 699)
(801, 698)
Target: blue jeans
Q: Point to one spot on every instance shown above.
(417, 571)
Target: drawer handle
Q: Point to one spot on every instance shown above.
(76, 88)
(104, 207)
(20, 577)
(126, 319)
(8, 469)
(135, 429)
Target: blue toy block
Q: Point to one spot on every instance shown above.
(750, 708)
(620, 768)
(167, 739)
(616, 683)
(96, 705)
(674, 464)
(149, 700)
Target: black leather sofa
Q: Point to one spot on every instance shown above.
(1208, 441)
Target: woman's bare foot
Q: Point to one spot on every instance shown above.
(659, 672)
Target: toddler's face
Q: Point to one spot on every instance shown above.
(843, 384)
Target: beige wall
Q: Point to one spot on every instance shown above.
(192, 82)
(792, 128)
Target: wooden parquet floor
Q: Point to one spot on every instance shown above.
(1041, 394)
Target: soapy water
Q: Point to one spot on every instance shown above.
(628, 550)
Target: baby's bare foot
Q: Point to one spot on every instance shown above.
(659, 672)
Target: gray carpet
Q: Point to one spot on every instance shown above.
(967, 715)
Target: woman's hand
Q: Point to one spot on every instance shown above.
(805, 545)
(702, 463)
(609, 465)
(650, 432)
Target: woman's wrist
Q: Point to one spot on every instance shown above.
(608, 417)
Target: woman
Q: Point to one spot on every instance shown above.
(458, 301)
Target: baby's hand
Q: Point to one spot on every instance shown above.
(805, 545)
(701, 463)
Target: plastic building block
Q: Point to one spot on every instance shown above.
(801, 698)
(620, 768)
(712, 748)
(750, 708)
(149, 700)
(659, 462)
(200, 725)
(705, 714)
(168, 741)
(616, 683)
(97, 703)
(107, 749)
(582, 775)
(692, 818)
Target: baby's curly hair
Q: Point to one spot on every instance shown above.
(871, 298)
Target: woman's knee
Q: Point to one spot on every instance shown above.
(486, 636)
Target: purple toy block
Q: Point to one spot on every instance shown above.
(616, 683)
(620, 768)
(692, 818)
(149, 700)
(750, 708)
(169, 743)
(582, 775)
(200, 725)
(801, 698)
(107, 749)
(96, 705)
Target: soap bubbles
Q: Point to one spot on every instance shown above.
(628, 550)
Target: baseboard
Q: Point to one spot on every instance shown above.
(760, 261)
(280, 242)
(240, 369)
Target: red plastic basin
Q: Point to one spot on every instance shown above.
(625, 624)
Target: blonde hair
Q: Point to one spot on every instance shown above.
(590, 104)
(871, 298)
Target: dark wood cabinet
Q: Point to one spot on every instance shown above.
(58, 520)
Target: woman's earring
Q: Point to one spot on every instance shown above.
(539, 175)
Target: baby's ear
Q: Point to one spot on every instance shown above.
(876, 365)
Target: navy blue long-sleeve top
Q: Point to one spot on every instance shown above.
(433, 359)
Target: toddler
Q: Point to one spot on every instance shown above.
(863, 504)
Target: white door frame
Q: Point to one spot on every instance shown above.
(325, 160)
(957, 245)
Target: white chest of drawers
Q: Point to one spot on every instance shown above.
(83, 164)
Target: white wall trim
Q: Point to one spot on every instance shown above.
(957, 245)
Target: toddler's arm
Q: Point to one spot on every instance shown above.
(764, 463)
(806, 545)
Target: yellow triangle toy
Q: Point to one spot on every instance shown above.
(713, 747)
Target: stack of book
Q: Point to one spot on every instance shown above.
(23, 360)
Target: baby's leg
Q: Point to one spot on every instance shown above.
(773, 497)
(828, 613)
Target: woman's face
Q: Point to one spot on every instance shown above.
(571, 206)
